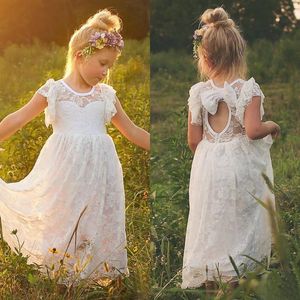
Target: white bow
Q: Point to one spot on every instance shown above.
(211, 98)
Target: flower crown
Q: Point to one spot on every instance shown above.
(102, 39)
(198, 35)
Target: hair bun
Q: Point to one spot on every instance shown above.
(104, 20)
(217, 17)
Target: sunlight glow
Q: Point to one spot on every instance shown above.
(297, 8)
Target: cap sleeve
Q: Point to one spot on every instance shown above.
(195, 104)
(110, 101)
(249, 90)
(48, 90)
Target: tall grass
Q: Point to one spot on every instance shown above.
(22, 70)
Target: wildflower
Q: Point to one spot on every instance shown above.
(99, 40)
(145, 195)
(197, 33)
(197, 38)
(106, 266)
(76, 268)
(53, 250)
(104, 281)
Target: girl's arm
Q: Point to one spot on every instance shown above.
(194, 134)
(16, 120)
(133, 133)
(255, 128)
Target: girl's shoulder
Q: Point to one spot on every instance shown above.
(56, 85)
(243, 87)
(107, 91)
(199, 85)
(196, 88)
(104, 87)
(51, 81)
(47, 87)
(109, 94)
(250, 88)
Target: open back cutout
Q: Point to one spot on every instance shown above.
(219, 120)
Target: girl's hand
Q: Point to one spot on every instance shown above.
(275, 129)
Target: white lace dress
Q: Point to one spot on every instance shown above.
(77, 172)
(224, 218)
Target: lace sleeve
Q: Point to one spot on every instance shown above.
(195, 105)
(48, 90)
(110, 101)
(249, 89)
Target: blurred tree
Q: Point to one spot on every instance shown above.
(55, 20)
(173, 22)
(263, 19)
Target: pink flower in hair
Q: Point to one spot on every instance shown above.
(102, 39)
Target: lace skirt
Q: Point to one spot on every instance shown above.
(224, 218)
(71, 206)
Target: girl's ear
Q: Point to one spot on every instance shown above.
(78, 55)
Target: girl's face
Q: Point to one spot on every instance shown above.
(95, 67)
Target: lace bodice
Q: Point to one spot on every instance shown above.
(205, 97)
(69, 111)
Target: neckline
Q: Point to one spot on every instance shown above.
(77, 93)
(220, 88)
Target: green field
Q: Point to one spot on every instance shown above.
(155, 263)
(23, 69)
(172, 74)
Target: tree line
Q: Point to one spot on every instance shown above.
(174, 21)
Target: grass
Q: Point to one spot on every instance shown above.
(23, 70)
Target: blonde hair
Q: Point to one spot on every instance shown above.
(103, 20)
(222, 46)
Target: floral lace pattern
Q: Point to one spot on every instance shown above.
(59, 91)
(77, 171)
(204, 99)
(224, 217)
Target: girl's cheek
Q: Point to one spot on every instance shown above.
(101, 70)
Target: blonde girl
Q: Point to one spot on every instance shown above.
(75, 190)
(231, 147)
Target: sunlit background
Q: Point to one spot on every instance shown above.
(34, 35)
(55, 20)
(297, 8)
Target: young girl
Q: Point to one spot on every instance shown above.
(231, 150)
(75, 190)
